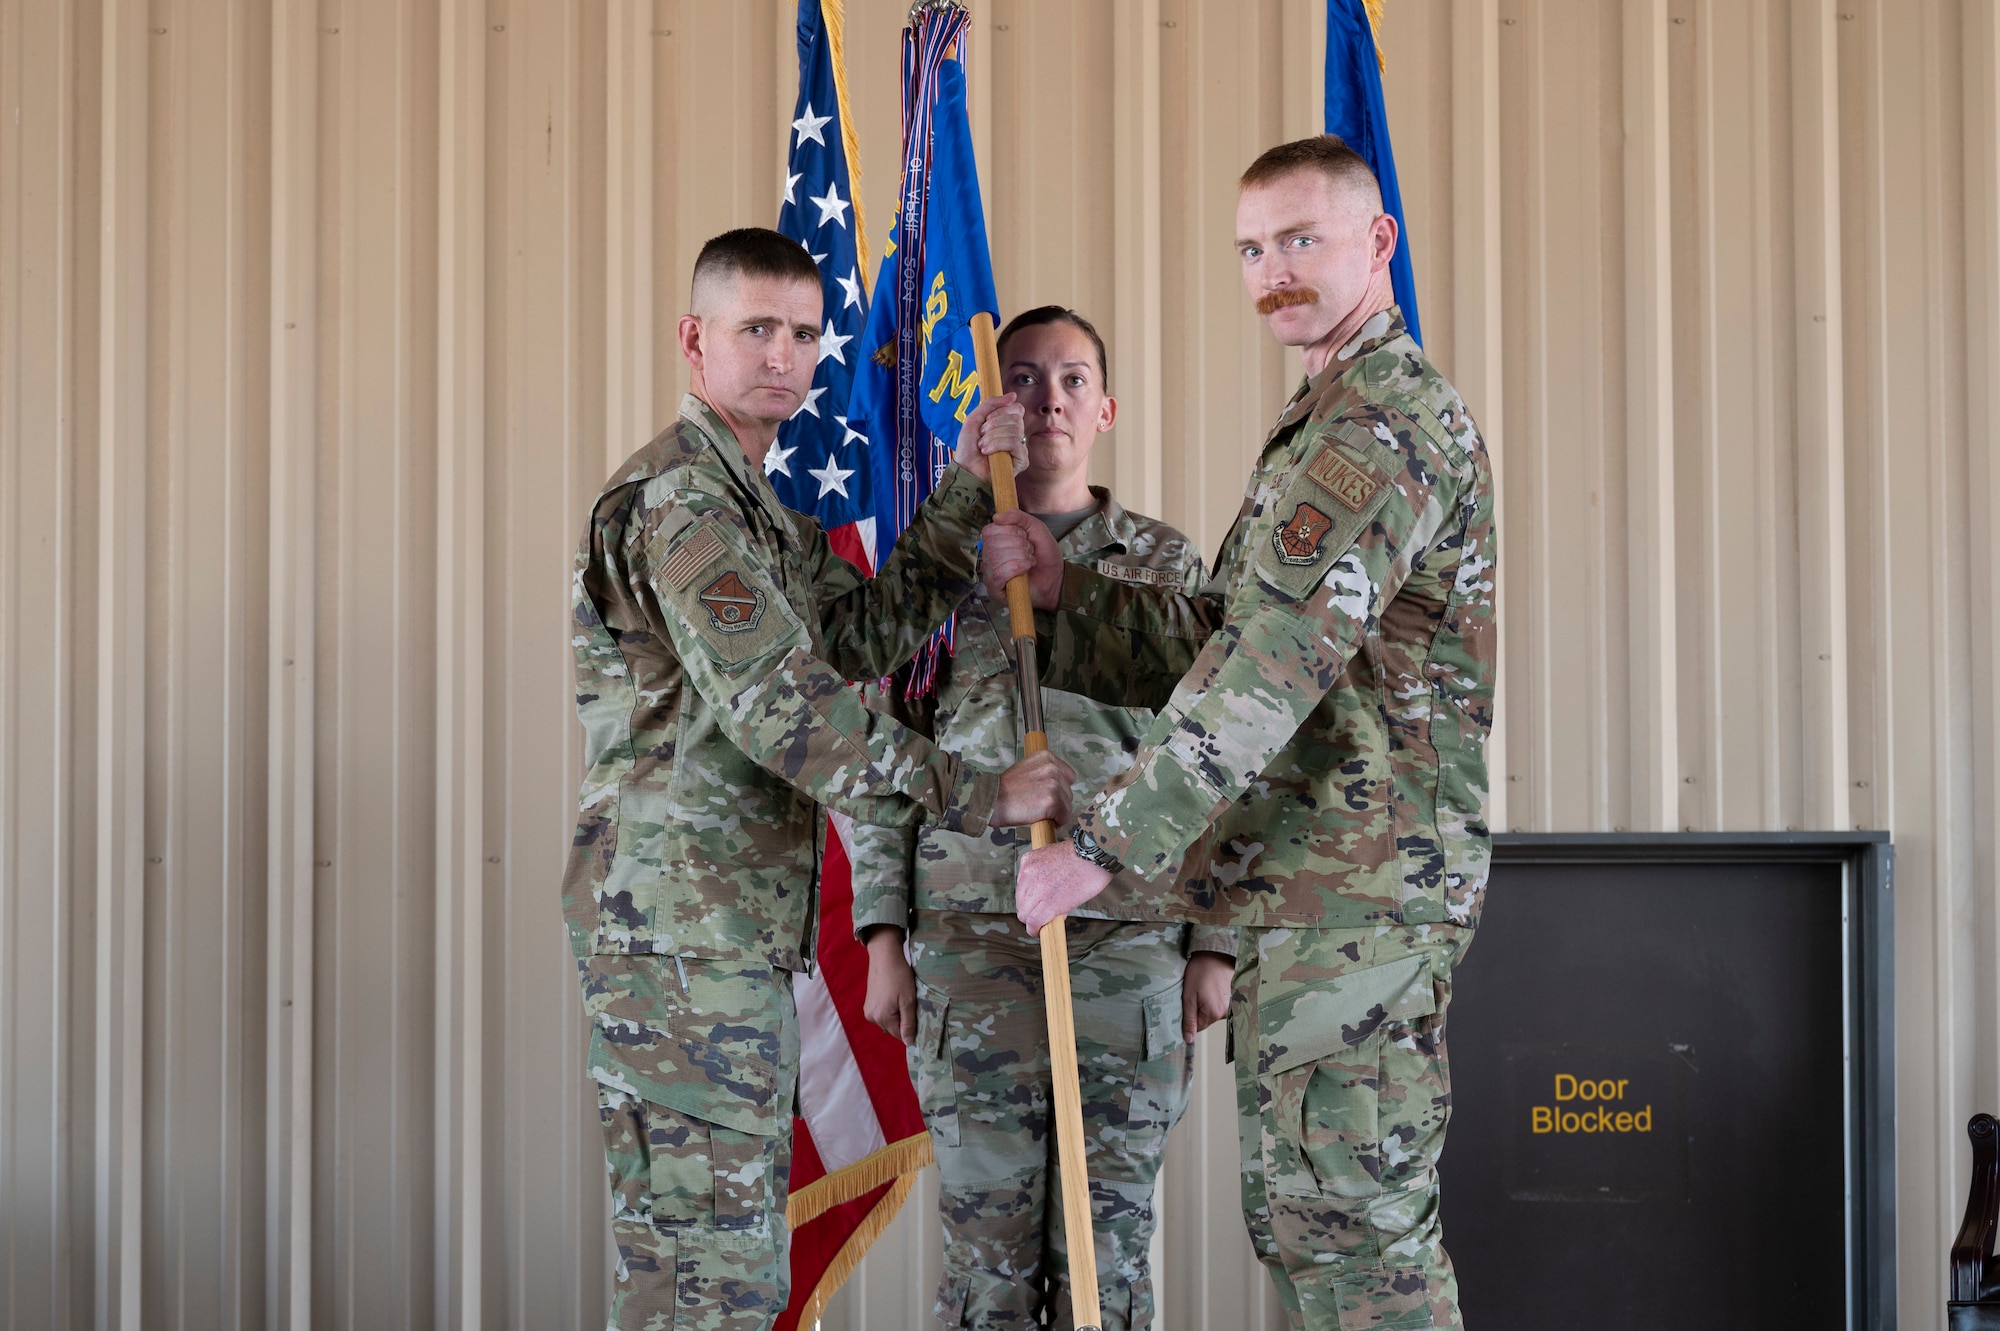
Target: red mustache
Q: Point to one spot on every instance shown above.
(1272, 302)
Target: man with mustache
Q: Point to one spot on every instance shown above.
(715, 633)
(973, 1011)
(1317, 773)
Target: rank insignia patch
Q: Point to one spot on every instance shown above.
(733, 605)
(1299, 539)
(1343, 480)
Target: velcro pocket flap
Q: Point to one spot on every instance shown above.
(1163, 1026)
(683, 1072)
(1315, 1023)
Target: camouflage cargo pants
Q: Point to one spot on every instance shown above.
(1343, 1093)
(696, 1086)
(981, 1066)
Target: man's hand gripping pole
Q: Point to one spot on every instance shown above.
(1055, 944)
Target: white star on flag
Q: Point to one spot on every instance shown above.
(789, 182)
(832, 208)
(774, 461)
(811, 405)
(808, 126)
(852, 435)
(830, 344)
(851, 284)
(831, 479)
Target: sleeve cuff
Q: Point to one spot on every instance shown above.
(962, 495)
(884, 907)
(1212, 938)
(969, 810)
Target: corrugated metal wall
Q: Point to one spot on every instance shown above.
(320, 324)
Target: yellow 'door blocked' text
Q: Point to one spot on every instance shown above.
(1600, 1106)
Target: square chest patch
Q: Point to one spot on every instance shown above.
(733, 605)
(1349, 484)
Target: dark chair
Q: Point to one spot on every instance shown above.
(1975, 1276)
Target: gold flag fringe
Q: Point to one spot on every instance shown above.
(857, 1245)
(1374, 8)
(896, 1160)
(833, 13)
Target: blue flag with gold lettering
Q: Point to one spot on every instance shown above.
(918, 379)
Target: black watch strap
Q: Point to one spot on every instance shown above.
(1087, 849)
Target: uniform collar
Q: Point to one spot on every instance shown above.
(1108, 528)
(1383, 327)
(722, 440)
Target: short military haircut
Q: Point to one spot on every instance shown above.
(1057, 314)
(750, 251)
(1326, 153)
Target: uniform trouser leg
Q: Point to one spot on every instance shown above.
(696, 1105)
(982, 1069)
(1343, 1093)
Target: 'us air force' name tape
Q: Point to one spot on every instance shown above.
(1151, 577)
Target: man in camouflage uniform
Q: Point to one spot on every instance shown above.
(1317, 772)
(715, 632)
(973, 1012)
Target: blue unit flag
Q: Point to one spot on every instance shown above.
(918, 378)
(1356, 112)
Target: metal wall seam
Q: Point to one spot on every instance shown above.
(1982, 287)
(122, 662)
(1820, 420)
(1478, 331)
(37, 661)
(460, 790)
(1652, 712)
(1137, 271)
(291, 665)
(630, 48)
(1937, 325)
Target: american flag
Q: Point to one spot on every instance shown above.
(859, 1139)
(820, 463)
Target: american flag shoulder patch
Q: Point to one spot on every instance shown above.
(695, 554)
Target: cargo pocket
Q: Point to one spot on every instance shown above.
(1320, 1053)
(954, 1293)
(1160, 1091)
(744, 1168)
(930, 1066)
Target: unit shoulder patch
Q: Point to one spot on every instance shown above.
(1299, 537)
(733, 605)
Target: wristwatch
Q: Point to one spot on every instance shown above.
(1088, 850)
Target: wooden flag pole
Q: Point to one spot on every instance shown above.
(1055, 943)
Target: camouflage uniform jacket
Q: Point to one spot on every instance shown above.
(715, 635)
(1325, 699)
(974, 711)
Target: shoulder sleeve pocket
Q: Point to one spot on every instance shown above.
(1315, 1023)
(1331, 500)
(720, 593)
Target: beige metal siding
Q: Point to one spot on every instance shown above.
(320, 323)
